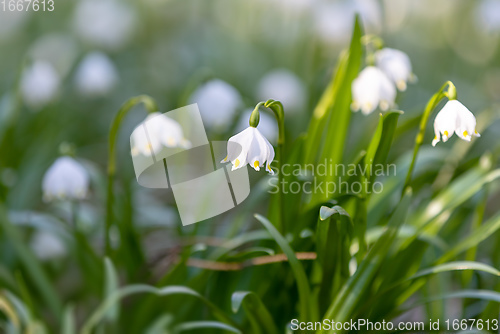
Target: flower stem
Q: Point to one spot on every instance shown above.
(151, 107)
(279, 113)
(451, 94)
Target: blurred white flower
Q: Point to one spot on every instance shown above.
(488, 15)
(39, 84)
(334, 20)
(217, 101)
(65, 179)
(396, 65)
(251, 148)
(105, 23)
(47, 246)
(282, 85)
(96, 75)
(162, 131)
(267, 125)
(370, 89)
(454, 118)
(58, 49)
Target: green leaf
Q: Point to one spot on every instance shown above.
(189, 326)
(126, 291)
(333, 236)
(474, 238)
(308, 309)
(68, 325)
(447, 267)
(30, 264)
(335, 114)
(472, 294)
(354, 290)
(111, 286)
(376, 154)
(455, 266)
(333, 109)
(10, 313)
(257, 313)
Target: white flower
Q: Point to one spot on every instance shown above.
(267, 125)
(96, 75)
(217, 101)
(282, 85)
(105, 23)
(251, 148)
(39, 84)
(161, 131)
(65, 179)
(47, 246)
(454, 118)
(372, 88)
(396, 65)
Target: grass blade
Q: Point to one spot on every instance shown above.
(120, 294)
(308, 309)
(354, 290)
(189, 326)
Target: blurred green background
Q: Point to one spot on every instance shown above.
(65, 73)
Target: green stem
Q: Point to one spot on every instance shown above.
(279, 113)
(451, 94)
(151, 106)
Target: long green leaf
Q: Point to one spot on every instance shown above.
(474, 238)
(308, 309)
(455, 266)
(473, 294)
(338, 112)
(30, 264)
(354, 290)
(189, 326)
(333, 235)
(120, 294)
(68, 325)
(111, 286)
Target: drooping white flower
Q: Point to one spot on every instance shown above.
(47, 246)
(372, 88)
(39, 84)
(217, 101)
(65, 179)
(284, 86)
(96, 75)
(250, 147)
(162, 131)
(267, 125)
(454, 118)
(396, 65)
(105, 23)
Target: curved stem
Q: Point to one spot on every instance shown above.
(451, 94)
(279, 113)
(151, 107)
